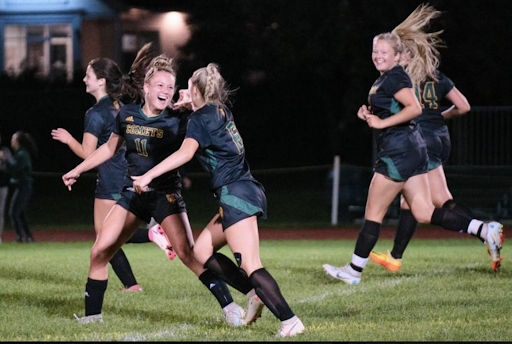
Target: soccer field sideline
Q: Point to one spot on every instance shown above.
(350, 233)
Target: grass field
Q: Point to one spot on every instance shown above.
(444, 292)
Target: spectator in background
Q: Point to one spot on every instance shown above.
(19, 167)
(4, 186)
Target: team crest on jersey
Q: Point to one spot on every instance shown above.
(171, 198)
(221, 212)
(373, 90)
(129, 119)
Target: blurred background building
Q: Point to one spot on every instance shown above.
(55, 38)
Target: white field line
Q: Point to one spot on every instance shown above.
(175, 332)
(352, 289)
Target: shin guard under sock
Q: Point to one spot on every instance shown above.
(123, 269)
(267, 289)
(367, 238)
(405, 230)
(217, 287)
(450, 220)
(229, 272)
(459, 208)
(94, 294)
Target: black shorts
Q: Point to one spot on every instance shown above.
(240, 200)
(438, 143)
(402, 155)
(152, 204)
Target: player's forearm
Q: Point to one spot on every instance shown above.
(170, 163)
(98, 157)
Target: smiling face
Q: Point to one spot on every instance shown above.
(159, 91)
(93, 85)
(383, 55)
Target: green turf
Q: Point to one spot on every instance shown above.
(444, 292)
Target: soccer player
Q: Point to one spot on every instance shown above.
(431, 87)
(150, 131)
(103, 81)
(402, 161)
(213, 136)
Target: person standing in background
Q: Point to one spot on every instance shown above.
(4, 187)
(19, 167)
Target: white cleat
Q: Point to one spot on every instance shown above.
(96, 318)
(234, 315)
(494, 241)
(291, 327)
(254, 309)
(345, 273)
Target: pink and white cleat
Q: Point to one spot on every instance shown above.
(157, 235)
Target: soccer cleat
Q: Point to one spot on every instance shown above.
(494, 241)
(345, 274)
(291, 327)
(157, 235)
(134, 287)
(234, 315)
(386, 260)
(254, 309)
(96, 318)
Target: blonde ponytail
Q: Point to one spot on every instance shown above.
(422, 46)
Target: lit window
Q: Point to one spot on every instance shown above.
(46, 51)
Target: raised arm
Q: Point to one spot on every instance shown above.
(180, 157)
(99, 156)
(82, 150)
(411, 109)
(460, 104)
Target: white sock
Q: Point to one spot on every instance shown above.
(251, 293)
(358, 261)
(290, 321)
(474, 226)
(230, 307)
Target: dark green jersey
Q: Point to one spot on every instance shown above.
(149, 140)
(19, 167)
(430, 95)
(100, 121)
(383, 104)
(221, 148)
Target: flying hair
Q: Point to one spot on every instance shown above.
(133, 82)
(422, 46)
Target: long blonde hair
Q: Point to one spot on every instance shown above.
(211, 84)
(422, 46)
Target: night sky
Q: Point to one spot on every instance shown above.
(301, 69)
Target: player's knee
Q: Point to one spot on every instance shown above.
(186, 254)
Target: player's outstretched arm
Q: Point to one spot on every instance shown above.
(180, 157)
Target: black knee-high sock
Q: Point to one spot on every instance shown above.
(450, 220)
(405, 230)
(459, 208)
(366, 240)
(217, 287)
(123, 269)
(267, 289)
(94, 294)
(229, 272)
(140, 236)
